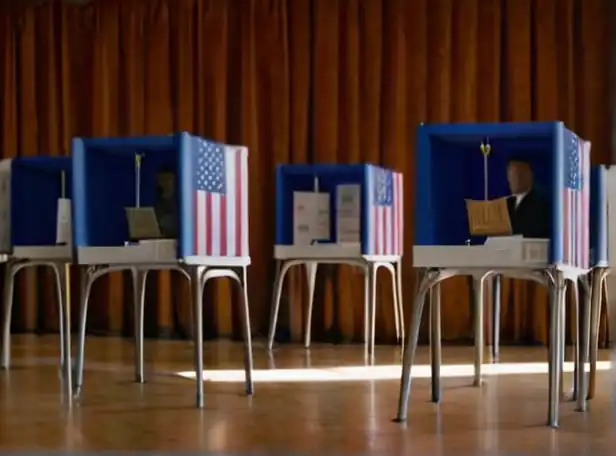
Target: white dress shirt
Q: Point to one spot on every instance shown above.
(519, 197)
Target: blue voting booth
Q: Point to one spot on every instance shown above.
(599, 217)
(174, 202)
(207, 204)
(36, 185)
(469, 223)
(367, 199)
(339, 214)
(451, 169)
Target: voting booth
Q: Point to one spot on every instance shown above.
(468, 223)
(339, 214)
(338, 210)
(454, 169)
(172, 202)
(40, 207)
(35, 230)
(157, 199)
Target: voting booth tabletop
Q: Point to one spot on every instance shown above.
(329, 406)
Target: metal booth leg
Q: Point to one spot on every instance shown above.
(398, 294)
(428, 280)
(139, 283)
(599, 276)
(247, 333)
(197, 282)
(86, 287)
(199, 276)
(575, 318)
(281, 272)
(435, 341)
(556, 343)
(478, 327)
(398, 320)
(370, 317)
(275, 306)
(311, 277)
(584, 344)
(62, 287)
(496, 312)
(9, 287)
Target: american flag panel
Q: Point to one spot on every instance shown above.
(576, 202)
(220, 199)
(385, 212)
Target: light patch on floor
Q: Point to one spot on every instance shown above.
(364, 373)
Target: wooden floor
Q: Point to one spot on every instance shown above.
(505, 416)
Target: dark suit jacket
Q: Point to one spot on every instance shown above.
(532, 217)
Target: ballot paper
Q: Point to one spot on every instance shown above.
(142, 223)
(5, 212)
(310, 217)
(348, 213)
(64, 234)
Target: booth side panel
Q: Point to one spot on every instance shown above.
(611, 210)
(292, 178)
(186, 234)
(34, 194)
(110, 188)
(80, 208)
(399, 218)
(244, 212)
(571, 231)
(556, 254)
(214, 221)
(280, 226)
(424, 214)
(382, 211)
(598, 217)
(5, 207)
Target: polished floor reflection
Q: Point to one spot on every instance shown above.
(301, 412)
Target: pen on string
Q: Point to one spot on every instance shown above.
(137, 180)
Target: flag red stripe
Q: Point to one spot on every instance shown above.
(209, 241)
(195, 223)
(394, 221)
(223, 225)
(566, 226)
(237, 179)
(383, 237)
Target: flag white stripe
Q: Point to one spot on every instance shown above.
(244, 201)
(389, 214)
(369, 215)
(400, 196)
(201, 226)
(215, 224)
(231, 197)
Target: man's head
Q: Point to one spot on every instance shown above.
(519, 175)
(165, 180)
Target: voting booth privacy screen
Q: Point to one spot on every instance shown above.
(36, 186)
(599, 217)
(195, 189)
(340, 204)
(451, 169)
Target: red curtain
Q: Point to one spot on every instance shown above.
(297, 81)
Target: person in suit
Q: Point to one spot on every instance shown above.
(166, 203)
(529, 210)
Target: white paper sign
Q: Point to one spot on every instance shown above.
(5, 212)
(64, 233)
(348, 213)
(310, 217)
